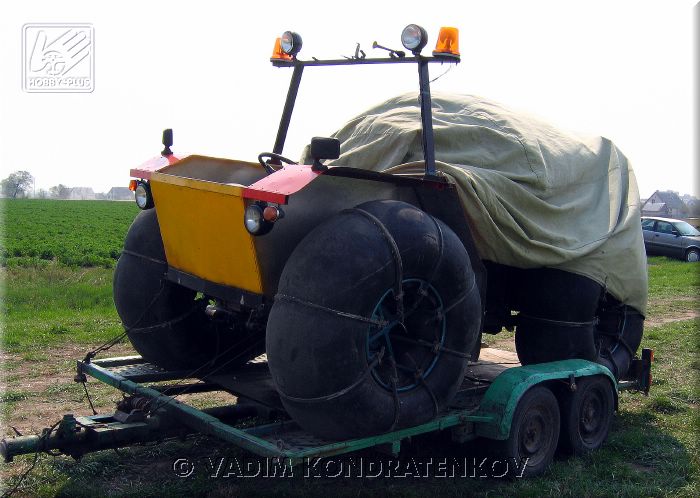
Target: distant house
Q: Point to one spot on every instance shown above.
(120, 194)
(690, 201)
(693, 204)
(81, 194)
(667, 204)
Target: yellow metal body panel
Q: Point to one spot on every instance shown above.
(201, 223)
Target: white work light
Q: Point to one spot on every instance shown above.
(254, 220)
(290, 43)
(414, 38)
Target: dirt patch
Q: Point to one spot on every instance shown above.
(655, 321)
(38, 391)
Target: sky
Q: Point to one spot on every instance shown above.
(619, 69)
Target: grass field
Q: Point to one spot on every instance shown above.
(72, 233)
(55, 312)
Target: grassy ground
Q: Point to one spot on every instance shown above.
(39, 232)
(55, 314)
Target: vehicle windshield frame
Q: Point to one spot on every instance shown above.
(428, 142)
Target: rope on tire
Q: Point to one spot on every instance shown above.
(619, 340)
(395, 254)
(161, 325)
(436, 406)
(395, 393)
(422, 292)
(107, 345)
(343, 314)
(440, 315)
(561, 323)
(143, 256)
(370, 366)
(434, 346)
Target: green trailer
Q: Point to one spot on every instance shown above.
(518, 414)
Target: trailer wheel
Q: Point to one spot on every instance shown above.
(587, 415)
(534, 434)
(376, 314)
(164, 321)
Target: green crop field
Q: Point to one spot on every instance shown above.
(58, 307)
(71, 233)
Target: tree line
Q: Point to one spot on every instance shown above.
(20, 184)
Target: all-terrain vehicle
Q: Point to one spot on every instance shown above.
(366, 289)
(368, 272)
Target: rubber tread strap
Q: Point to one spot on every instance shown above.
(370, 366)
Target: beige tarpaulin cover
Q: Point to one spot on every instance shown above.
(534, 195)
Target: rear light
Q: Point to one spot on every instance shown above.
(272, 213)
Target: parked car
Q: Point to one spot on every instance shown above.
(669, 237)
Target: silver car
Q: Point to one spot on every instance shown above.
(669, 237)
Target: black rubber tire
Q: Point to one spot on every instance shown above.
(548, 295)
(164, 321)
(619, 334)
(692, 255)
(587, 415)
(318, 338)
(534, 433)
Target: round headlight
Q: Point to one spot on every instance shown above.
(255, 221)
(142, 196)
(414, 38)
(290, 42)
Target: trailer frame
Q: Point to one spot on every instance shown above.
(485, 408)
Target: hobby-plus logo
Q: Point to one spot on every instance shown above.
(58, 58)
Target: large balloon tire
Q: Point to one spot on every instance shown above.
(557, 319)
(330, 336)
(164, 321)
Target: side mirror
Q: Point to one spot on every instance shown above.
(675, 232)
(324, 148)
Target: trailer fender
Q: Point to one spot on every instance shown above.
(502, 397)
